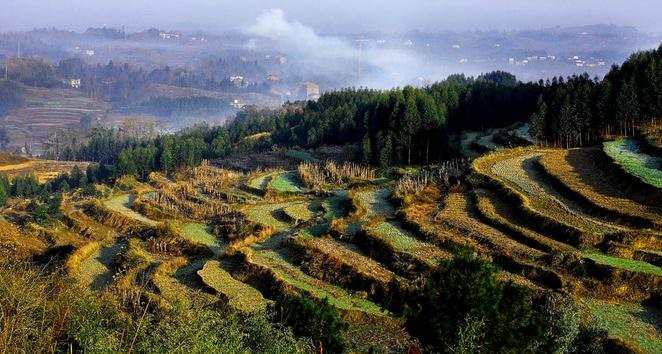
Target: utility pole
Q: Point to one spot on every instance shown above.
(358, 69)
(361, 41)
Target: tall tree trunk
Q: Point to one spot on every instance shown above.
(409, 152)
(427, 150)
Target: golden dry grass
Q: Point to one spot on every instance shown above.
(584, 177)
(11, 159)
(292, 278)
(166, 279)
(456, 216)
(514, 169)
(500, 213)
(44, 170)
(16, 244)
(345, 255)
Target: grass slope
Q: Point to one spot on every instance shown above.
(625, 152)
(286, 182)
(199, 233)
(239, 295)
(122, 204)
(296, 278)
(577, 170)
(632, 323)
(622, 263)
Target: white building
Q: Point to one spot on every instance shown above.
(74, 83)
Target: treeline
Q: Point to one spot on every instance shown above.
(45, 198)
(581, 111)
(399, 126)
(412, 125)
(119, 155)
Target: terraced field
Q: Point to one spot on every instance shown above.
(95, 271)
(357, 245)
(122, 204)
(578, 169)
(289, 275)
(557, 201)
(269, 214)
(278, 181)
(239, 295)
(44, 170)
(46, 111)
(200, 234)
(344, 256)
(286, 182)
(378, 227)
(261, 181)
(622, 320)
(516, 170)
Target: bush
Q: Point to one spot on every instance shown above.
(44, 312)
(317, 320)
(464, 308)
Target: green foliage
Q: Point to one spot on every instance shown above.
(463, 307)
(579, 110)
(5, 190)
(26, 186)
(48, 313)
(221, 145)
(408, 125)
(318, 320)
(627, 153)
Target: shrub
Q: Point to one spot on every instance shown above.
(44, 312)
(317, 320)
(463, 307)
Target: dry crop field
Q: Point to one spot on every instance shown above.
(44, 170)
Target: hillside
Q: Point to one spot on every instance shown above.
(426, 219)
(544, 216)
(46, 111)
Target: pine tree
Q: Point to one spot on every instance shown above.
(538, 122)
(3, 195)
(628, 107)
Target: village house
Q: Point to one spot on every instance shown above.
(312, 90)
(74, 83)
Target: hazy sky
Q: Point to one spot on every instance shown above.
(331, 15)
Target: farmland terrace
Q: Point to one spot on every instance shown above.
(47, 111)
(546, 217)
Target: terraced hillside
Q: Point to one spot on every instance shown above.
(46, 111)
(597, 232)
(547, 218)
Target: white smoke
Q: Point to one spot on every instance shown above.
(336, 56)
